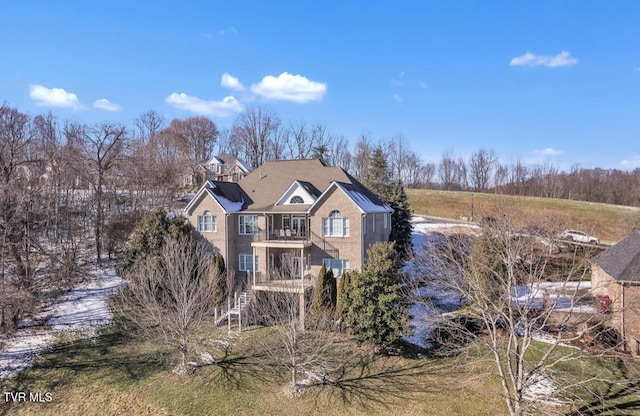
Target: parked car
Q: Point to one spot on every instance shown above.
(580, 237)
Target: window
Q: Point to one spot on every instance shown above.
(296, 199)
(337, 266)
(374, 222)
(386, 220)
(188, 179)
(247, 262)
(207, 223)
(364, 224)
(248, 224)
(335, 225)
(286, 222)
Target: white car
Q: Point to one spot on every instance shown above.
(580, 237)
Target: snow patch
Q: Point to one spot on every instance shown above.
(83, 309)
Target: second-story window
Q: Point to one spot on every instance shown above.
(248, 224)
(335, 225)
(207, 223)
(296, 199)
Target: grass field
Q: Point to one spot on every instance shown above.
(113, 375)
(610, 223)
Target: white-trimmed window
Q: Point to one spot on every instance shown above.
(247, 262)
(248, 224)
(386, 220)
(207, 223)
(337, 266)
(374, 222)
(188, 179)
(364, 224)
(286, 222)
(335, 225)
(296, 199)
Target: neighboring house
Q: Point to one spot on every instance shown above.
(221, 168)
(285, 219)
(615, 281)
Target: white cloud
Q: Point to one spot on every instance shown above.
(106, 105)
(528, 59)
(548, 151)
(631, 163)
(54, 97)
(288, 87)
(397, 97)
(231, 82)
(423, 85)
(226, 107)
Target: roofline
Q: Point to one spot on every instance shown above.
(203, 189)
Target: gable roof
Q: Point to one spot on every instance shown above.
(265, 185)
(227, 194)
(622, 261)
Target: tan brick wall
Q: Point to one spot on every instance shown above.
(603, 284)
(216, 238)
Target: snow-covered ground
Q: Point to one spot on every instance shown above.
(82, 310)
(436, 301)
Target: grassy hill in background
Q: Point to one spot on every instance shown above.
(610, 223)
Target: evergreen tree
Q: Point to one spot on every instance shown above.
(376, 310)
(149, 236)
(324, 298)
(342, 300)
(401, 227)
(377, 177)
(218, 276)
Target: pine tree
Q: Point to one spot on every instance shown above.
(149, 236)
(376, 310)
(324, 298)
(218, 276)
(401, 227)
(342, 300)
(377, 177)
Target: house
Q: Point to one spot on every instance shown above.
(615, 281)
(285, 219)
(221, 168)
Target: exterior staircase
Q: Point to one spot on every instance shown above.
(235, 309)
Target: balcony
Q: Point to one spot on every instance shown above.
(281, 238)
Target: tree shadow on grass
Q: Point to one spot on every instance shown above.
(240, 368)
(619, 397)
(108, 357)
(376, 380)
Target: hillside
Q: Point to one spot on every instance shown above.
(609, 222)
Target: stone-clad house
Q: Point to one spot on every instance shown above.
(615, 280)
(285, 219)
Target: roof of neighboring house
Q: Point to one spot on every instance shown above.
(622, 261)
(227, 160)
(262, 188)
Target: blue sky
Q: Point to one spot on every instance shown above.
(539, 81)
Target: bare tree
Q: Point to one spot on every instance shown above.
(148, 125)
(447, 172)
(305, 354)
(251, 133)
(194, 137)
(503, 282)
(168, 296)
(481, 166)
(103, 149)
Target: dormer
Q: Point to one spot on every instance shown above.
(299, 193)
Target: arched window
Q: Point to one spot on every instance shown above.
(296, 199)
(207, 222)
(335, 225)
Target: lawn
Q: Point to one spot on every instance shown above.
(609, 222)
(115, 375)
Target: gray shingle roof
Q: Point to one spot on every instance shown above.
(622, 261)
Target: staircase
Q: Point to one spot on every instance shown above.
(240, 303)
